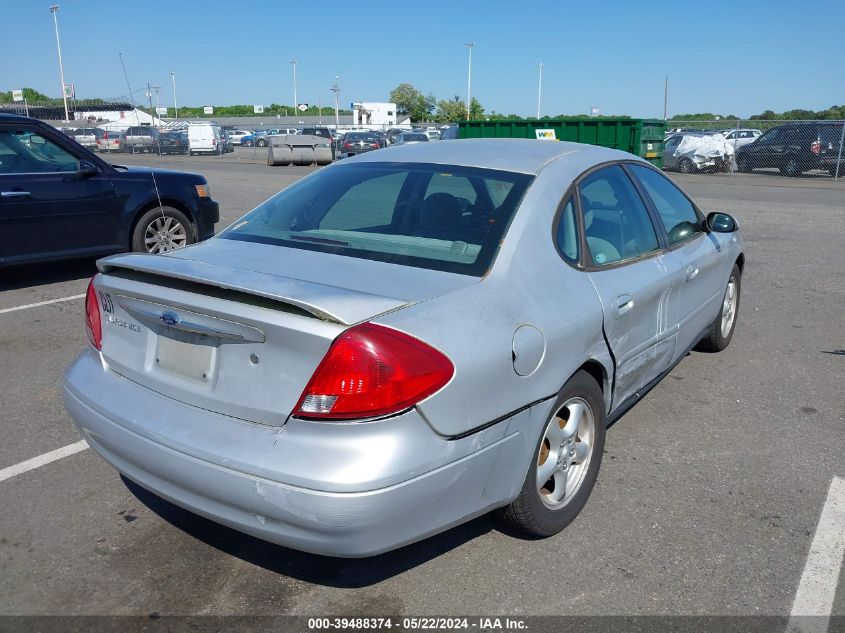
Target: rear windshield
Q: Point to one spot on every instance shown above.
(414, 137)
(440, 217)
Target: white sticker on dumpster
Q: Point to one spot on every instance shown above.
(545, 135)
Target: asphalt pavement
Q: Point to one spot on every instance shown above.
(707, 502)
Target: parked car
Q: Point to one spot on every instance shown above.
(204, 138)
(694, 152)
(358, 143)
(794, 148)
(110, 142)
(410, 137)
(740, 137)
(261, 140)
(318, 131)
(406, 367)
(140, 139)
(88, 136)
(58, 200)
(173, 142)
(237, 136)
(433, 135)
(450, 133)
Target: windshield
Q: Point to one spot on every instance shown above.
(441, 217)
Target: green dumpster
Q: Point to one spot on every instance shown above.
(643, 137)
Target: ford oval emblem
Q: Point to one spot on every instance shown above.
(168, 318)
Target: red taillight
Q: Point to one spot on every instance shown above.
(347, 145)
(371, 370)
(213, 141)
(374, 145)
(816, 147)
(93, 323)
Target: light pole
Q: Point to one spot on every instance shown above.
(540, 91)
(336, 91)
(54, 9)
(469, 46)
(295, 101)
(175, 107)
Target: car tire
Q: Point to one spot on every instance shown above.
(791, 168)
(743, 165)
(686, 166)
(260, 143)
(247, 144)
(538, 511)
(722, 329)
(147, 238)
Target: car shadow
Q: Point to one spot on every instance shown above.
(346, 573)
(34, 275)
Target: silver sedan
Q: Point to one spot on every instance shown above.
(403, 341)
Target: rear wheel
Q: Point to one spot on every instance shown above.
(722, 329)
(162, 229)
(743, 165)
(791, 167)
(565, 463)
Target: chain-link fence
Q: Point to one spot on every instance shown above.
(791, 148)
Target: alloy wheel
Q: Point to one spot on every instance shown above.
(565, 453)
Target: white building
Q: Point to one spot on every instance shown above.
(373, 113)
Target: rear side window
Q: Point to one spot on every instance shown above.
(830, 134)
(567, 233)
(426, 216)
(675, 210)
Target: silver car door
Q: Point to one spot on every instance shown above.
(631, 278)
(697, 252)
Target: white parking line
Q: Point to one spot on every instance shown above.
(821, 573)
(41, 303)
(42, 460)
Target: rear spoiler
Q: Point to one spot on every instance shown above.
(329, 303)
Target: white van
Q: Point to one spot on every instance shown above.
(204, 138)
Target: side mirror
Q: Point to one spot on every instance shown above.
(721, 223)
(86, 169)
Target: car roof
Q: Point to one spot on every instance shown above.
(526, 156)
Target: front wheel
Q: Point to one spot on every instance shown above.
(565, 463)
(162, 229)
(686, 166)
(722, 329)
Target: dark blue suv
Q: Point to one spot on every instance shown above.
(58, 200)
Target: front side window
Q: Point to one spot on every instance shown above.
(427, 216)
(616, 223)
(675, 210)
(24, 151)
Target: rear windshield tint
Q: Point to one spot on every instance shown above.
(440, 217)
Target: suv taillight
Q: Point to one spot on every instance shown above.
(816, 147)
(93, 321)
(371, 370)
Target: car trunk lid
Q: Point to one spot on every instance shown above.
(239, 340)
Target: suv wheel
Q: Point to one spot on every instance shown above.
(686, 166)
(744, 165)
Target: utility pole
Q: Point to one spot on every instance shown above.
(470, 46)
(540, 91)
(54, 9)
(336, 91)
(666, 99)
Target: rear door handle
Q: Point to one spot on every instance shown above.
(14, 194)
(692, 272)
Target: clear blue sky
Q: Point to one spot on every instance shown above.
(723, 57)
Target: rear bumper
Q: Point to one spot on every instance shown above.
(333, 489)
